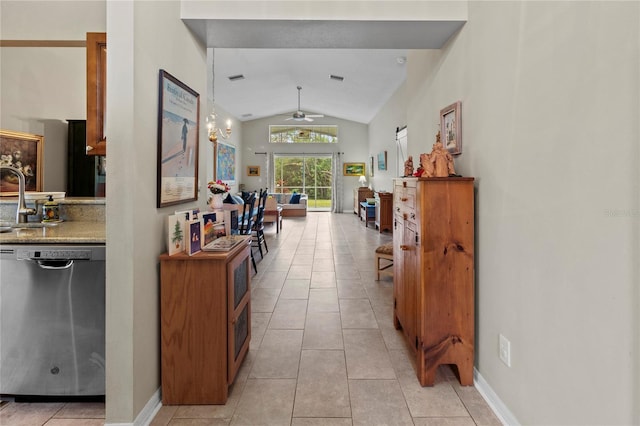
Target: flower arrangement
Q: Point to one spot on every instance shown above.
(218, 187)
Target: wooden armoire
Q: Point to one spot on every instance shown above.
(433, 267)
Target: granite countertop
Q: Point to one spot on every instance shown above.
(75, 232)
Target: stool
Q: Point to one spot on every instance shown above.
(384, 251)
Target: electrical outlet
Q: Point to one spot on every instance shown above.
(504, 350)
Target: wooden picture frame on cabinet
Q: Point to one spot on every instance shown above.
(451, 128)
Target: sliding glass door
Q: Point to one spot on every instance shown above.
(310, 174)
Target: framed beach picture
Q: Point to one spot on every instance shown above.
(451, 129)
(22, 151)
(178, 123)
(382, 160)
(226, 163)
(353, 169)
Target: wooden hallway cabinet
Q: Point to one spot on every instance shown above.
(384, 211)
(205, 323)
(433, 272)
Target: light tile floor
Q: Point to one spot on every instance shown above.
(323, 349)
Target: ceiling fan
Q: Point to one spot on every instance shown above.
(301, 116)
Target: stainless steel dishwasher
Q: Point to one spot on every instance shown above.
(52, 318)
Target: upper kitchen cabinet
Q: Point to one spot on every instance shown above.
(96, 93)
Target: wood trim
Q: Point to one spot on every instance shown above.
(43, 43)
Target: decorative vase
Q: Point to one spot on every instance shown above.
(216, 201)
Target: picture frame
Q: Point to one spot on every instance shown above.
(226, 163)
(23, 151)
(353, 169)
(253, 170)
(451, 128)
(371, 166)
(382, 160)
(178, 128)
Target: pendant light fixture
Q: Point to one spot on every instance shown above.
(212, 127)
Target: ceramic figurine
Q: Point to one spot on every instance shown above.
(441, 160)
(408, 166)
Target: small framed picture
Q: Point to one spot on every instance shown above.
(382, 160)
(353, 169)
(370, 166)
(451, 128)
(253, 170)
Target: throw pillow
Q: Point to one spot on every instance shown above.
(228, 199)
(237, 199)
(295, 199)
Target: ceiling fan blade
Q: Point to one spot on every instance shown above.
(315, 115)
(307, 118)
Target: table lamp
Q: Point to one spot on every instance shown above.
(363, 181)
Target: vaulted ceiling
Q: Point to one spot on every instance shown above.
(274, 57)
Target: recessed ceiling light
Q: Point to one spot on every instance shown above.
(336, 77)
(236, 77)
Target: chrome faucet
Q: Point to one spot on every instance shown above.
(22, 212)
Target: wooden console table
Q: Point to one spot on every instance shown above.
(205, 321)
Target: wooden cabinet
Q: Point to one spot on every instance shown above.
(433, 267)
(360, 194)
(384, 211)
(205, 314)
(96, 93)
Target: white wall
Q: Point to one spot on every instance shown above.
(550, 111)
(42, 87)
(382, 137)
(143, 37)
(352, 141)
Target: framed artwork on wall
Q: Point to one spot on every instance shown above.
(371, 166)
(353, 169)
(451, 128)
(226, 163)
(22, 151)
(382, 160)
(178, 124)
(253, 170)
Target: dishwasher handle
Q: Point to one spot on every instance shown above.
(55, 264)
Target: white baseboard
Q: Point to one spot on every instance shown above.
(499, 408)
(145, 417)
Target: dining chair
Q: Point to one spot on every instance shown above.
(258, 239)
(245, 225)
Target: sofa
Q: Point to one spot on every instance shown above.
(289, 209)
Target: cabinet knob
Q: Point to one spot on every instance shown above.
(404, 247)
(403, 198)
(404, 216)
